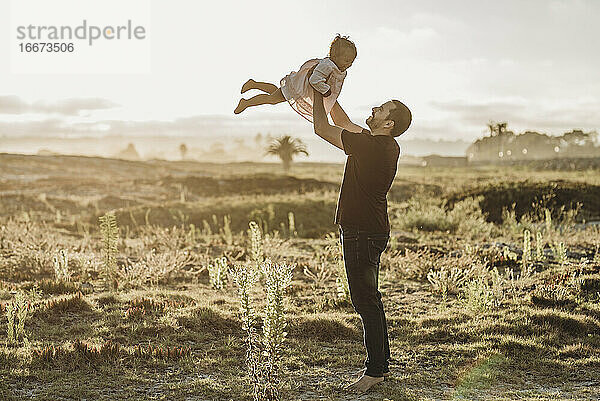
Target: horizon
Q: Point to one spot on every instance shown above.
(460, 66)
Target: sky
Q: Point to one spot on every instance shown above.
(456, 64)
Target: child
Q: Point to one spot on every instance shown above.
(324, 75)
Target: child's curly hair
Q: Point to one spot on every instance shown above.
(339, 44)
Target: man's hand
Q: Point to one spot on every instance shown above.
(330, 133)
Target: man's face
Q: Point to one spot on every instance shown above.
(379, 115)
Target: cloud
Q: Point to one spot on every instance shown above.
(49, 127)
(67, 107)
(474, 112)
(440, 119)
(522, 115)
(198, 125)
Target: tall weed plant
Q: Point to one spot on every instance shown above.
(110, 235)
(264, 354)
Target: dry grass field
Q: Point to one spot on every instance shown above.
(491, 281)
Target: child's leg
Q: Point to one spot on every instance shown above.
(263, 86)
(263, 98)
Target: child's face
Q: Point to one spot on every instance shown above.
(344, 59)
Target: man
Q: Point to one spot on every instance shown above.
(362, 215)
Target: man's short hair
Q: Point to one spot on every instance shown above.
(401, 116)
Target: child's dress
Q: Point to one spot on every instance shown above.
(297, 90)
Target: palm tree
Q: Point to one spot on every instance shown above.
(497, 129)
(286, 148)
(503, 137)
(183, 150)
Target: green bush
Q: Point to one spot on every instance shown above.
(530, 198)
(430, 214)
(423, 213)
(313, 216)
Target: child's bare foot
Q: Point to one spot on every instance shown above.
(240, 107)
(363, 384)
(248, 85)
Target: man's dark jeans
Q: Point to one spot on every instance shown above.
(362, 250)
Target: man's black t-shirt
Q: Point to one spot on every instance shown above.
(368, 176)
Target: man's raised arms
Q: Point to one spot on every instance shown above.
(341, 119)
(330, 133)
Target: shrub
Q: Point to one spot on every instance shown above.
(530, 198)
(319, 274)
(264, 364)
(426, 214)
(278, 278)
(217, 273)
(559, 251)
(412, 265)
(110, 232)
(16, 314)
(447, 280)
(164, 239)
(256, 244)
(226, 233)
(61, 266)
(154, 268)
(482, 293)
(245, 277)
(429, 214)
(539, 247)
(527, 268)
(312, 214)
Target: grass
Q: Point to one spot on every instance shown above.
(177, 338)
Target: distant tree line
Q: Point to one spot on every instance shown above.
(285, 147)
(503, 144)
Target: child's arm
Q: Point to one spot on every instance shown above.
(319, 76)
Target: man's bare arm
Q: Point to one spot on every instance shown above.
(341, 119)
(330, 133)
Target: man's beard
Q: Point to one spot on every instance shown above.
(371, 123)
